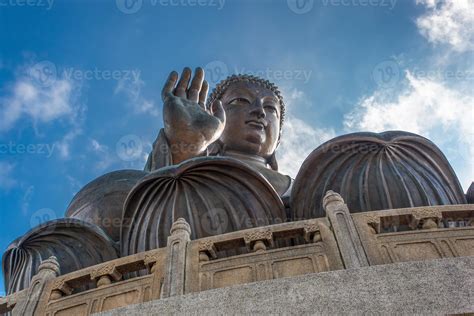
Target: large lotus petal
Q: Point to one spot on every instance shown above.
(375, 172)
(75, 243)
(215, 195)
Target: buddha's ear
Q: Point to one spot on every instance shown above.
(216, 148)
(272, 162)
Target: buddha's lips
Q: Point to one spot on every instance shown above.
(258, 124)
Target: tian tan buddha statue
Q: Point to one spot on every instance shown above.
(214, 164)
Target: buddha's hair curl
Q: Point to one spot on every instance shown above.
(222, 86)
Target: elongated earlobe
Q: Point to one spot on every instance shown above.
(272, 162)
(217, 148)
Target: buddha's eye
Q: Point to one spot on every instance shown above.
(271, 109)
(240, 101)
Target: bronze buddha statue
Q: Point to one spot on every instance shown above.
(214, 164)
(242, 119)
(241, 123)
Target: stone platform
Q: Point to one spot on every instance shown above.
(400, 261)
(444, 286)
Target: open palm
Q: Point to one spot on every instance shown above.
(189, 126)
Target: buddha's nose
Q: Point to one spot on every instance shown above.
(257, 109)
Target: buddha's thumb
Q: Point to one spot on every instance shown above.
(218, 110)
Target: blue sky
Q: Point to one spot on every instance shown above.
(80, 81)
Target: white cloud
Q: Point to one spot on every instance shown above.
(41, 104)
(64, 145)
(132, 88)
(25, 201)
(75, 184)
(96, 146)
(438, 106)
(426, 107)
(7, 181)
(298, 139)
(448, 22)
(106, 159)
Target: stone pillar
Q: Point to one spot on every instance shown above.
(175, 268)
(8, 303)
(259, 241)
(347, 238)
(36, 297)
(155, 265)
(105, 275)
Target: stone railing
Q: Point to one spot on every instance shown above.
(339, 241)
(129, 280)
(413, 234)
(265, 253)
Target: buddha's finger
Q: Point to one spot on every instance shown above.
(183, 82)
(167, 96)
(193, 92)
(169, 85)
(203, 94)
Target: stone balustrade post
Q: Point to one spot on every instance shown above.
(347, 237)
(8, 303)
(175, 267)
(36, 296)
(60, 288)
(155, 265)
(106, 274)
(259, 240)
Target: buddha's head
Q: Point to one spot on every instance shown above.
(254, 111)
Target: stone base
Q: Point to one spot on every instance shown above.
(444, 286)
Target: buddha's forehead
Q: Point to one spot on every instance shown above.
(248, 88)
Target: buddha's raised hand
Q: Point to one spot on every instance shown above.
(189, 126)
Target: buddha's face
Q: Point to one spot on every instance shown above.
(252, 119)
